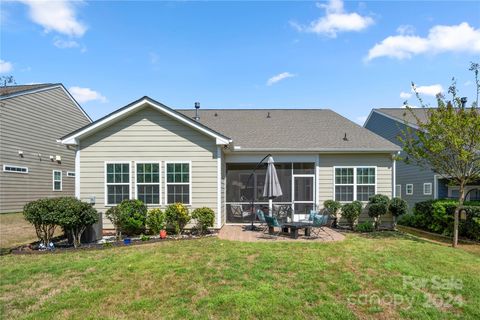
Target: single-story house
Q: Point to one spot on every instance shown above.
(413, 183)
(151, 152)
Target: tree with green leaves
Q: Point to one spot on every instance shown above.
(447, 141)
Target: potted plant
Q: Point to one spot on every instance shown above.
(332, 207)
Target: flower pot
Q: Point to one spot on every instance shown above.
(163, 234)
(127, 241)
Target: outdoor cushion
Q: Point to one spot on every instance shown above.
(312, 215)
(260, 215)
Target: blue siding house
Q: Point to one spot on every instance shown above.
(412, 183)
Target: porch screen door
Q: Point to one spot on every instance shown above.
(303, 196)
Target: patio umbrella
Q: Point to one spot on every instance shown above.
(272, 188)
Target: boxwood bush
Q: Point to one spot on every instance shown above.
(351, 212)
(156, 220)
(42, 213)
(438, 215)
(204, 217)
(133, 217)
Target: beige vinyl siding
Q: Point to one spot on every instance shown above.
(383, 163)
(149, 135)
(32, 123)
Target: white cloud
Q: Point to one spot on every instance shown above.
(431, 90)
(361, 120)
(65, 44)
(456, 38)
(83, 95)
(467, 83)
(5, 66)
(59, 16)
(335, 21)
(154, 58)
(405, 95)
(406, 29)
(279, 77)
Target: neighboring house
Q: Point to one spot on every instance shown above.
(413, 183)
(33, 164)
(151, 152)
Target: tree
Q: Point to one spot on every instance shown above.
(397, 207)
(447, 141)
(351, 211)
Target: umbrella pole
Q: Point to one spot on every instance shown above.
(270, 207)
(252, 227)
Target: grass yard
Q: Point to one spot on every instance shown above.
(14, 230)
(361, 277)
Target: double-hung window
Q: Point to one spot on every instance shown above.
(427, 189)
(365, 183)
(178, 182)
(117, 182)
(344, 184)
(57, 180)
(148, 182)
(354, 183)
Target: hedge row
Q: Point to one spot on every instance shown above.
(438, 216)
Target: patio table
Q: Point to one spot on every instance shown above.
(293, 227)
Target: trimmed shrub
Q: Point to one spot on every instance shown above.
(133, 216)
(366, 226)
(156, 220)
(114, 215)
(205, 218)
(351, 212)
(332, 207)
(397, 207)
(438, 216)
(42, 213)
(74, 216)
(177, 216)
(377, 207)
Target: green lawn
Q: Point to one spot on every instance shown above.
(212, 279)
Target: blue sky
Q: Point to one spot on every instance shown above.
(349, 57)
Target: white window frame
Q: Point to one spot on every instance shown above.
(53, 180)
(149, 183)
(406, 189)
(71, 174)
(398, 191)
(427, 193)
(355, 184)
(107, 184)
(15, 166)
(178, 183)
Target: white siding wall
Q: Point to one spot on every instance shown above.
(149, 135)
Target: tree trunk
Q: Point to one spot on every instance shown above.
(394, 222)
(457, 214)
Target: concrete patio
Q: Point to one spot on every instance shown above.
(238, 233)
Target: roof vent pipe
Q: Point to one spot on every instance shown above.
(197, 106)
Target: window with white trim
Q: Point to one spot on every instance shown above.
(409, 189)
(117, 182)
(354, 183)
(71, 174)
(344, 184)
(427, 189)
(178, 182)
(57, 180)
(148, 182)
(14, 169)
(365, 183)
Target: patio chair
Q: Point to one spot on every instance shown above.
(238, 212)
(272, 223)
(318, 224)
(261, 218)
(311, 216)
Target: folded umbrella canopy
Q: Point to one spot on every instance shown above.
(272, 188)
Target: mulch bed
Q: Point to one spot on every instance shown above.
(62, 245)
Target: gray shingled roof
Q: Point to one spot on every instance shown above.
(300, 129)
(402, 114)
(7, 90)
